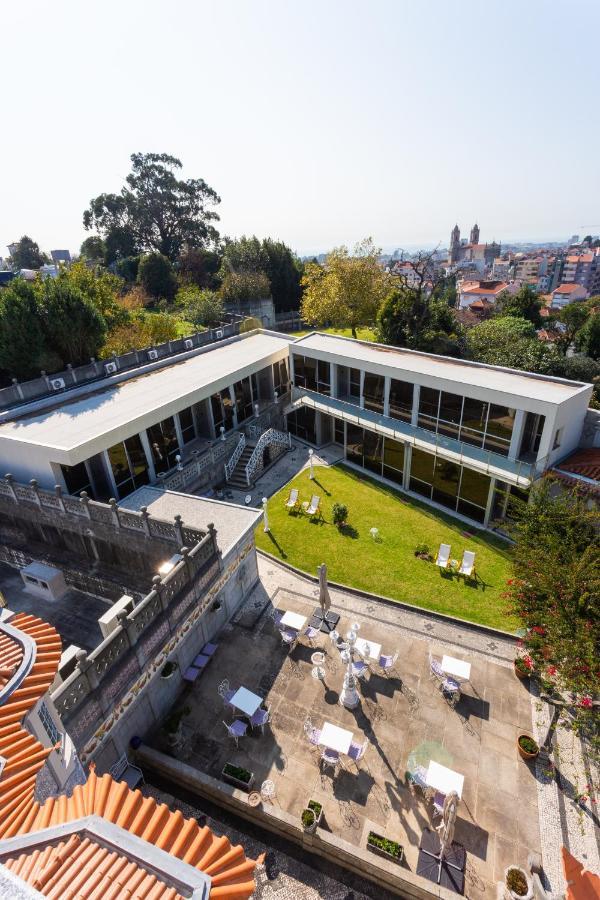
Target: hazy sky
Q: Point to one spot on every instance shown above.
(317, 122)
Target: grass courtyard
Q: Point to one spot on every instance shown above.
(363, 333)
(389, 567)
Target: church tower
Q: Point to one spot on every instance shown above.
(474, 239)
(454, 244)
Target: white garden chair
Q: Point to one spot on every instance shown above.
(443, 556)
(467, 566)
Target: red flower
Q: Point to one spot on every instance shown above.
(551, 670)
(586, 702)
(538, 629)
(528, 662)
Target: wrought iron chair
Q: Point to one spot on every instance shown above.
(236, 730)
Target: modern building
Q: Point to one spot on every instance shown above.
(461, 434)
(567, 293)
(583, 269)
(470, 291)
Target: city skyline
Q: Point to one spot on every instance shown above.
(316, 127)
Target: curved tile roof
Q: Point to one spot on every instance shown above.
(57, 869)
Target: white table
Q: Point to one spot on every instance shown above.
(457, 667)
(246, 701)
(335, 738)
(444, 780)
(293, 620)
(368, 648)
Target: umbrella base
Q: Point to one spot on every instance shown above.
(326, 624)
(448, 872)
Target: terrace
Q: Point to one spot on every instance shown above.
(405, 717)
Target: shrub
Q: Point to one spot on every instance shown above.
(237, 772)
(516, 881)
(308, 817)
(316, 807)
(172, 722)
(528, 744)
(340, 514)
(391, 847)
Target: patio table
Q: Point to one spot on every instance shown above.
(335, 738)
(246, 701)
(368, 648)
(457, 667)
(443, 779)
(293, 620)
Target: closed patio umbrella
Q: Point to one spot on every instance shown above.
(440, 860)
(324, 598)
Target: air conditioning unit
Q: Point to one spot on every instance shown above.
(219, 332)
(189, 345)
(152, 354)
(110, 368)
(57, 384)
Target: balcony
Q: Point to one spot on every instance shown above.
(517, 472)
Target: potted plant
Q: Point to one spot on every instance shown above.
(237, 776)
(527, 747)
(382, 846)
(519, 885)
(169, 669)
(523, 666)
(309, 821)
(172, 725)
(422, 552)
(339, 512)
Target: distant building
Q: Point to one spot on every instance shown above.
(583, 269)
(501, 269)
(480, 255)
(61, 256)
(471, 291)
(567, 293)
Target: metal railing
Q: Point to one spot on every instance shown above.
(235, 457)
(518, 472)
(268, 438)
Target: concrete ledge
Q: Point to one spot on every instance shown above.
(323, 843)
(389, 601)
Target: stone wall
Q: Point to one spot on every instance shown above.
(590, 434)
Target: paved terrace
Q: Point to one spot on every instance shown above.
(498, 817)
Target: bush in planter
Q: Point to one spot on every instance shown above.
(309, 819)
(516, 882)
(523, 666)
(422, 551)
(339, 512)
(316, 807)
(386, 846)
(173, 720)
(168, 669)
(527, 745)
(237, 772)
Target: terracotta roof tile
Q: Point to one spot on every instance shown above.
(583, 463)
(79, 867)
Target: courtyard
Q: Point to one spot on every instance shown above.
(404, 716)
(386, 565)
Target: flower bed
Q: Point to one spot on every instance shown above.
(385, 847)
(237, 776)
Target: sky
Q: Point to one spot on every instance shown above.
(317, 123)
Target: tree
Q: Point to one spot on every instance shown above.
(141, 330)
(74, 326)
(577, 368)
(200, 267)
(155, 211)
(408, 318)
(588, 337)
(200, 307)
(27, 255)
(244, 255)
(238, 288)
(93, 250)
(284, 271)
(525, 304)
(556, 593)
(23, 345)
(102, 288)
(157, 276)
(511, 342)
(348, 290)
(573, 317)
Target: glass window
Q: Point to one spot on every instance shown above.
(129, 465)
(450, 407)
(227, 410)
(499, 429)
(373, 392)
(401, 400)
(243, 399)
(445, 482)
(338, 433)
(299, 379)
(186, 421)
(217, 411)
(301, 422)
(310, 373)
(474, 414)
(393, 460)
(429, 401)
(164, 444)
(280, 377)
(372, 451)
(324, 377)
(77, 479)
(354, 443)
(138, 464)
(474, 487)
(355, 383)
(421, 472)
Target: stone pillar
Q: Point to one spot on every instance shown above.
(490, 503)
(85, 503)
(115, 512)
(157, 586)
(178, 430)
(145, 516)
(415, 409)
(213, 533)
(407, 465)
(10, 482)
(36, 491)
(148, 454)
(87, 668)
(234, 407)
(58, 492)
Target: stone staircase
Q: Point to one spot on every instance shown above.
(238, 476)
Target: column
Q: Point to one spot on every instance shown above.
(111, 478)
(232, 396)
(517, 434)
(148, 451)
(386, 395)
(178, 431)
(545, 447)
(415, 410)
(210, 417)
(490, 501)
(407, 465)
(362, 388)
(334, 380)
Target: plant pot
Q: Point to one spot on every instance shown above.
(385, 854)
(521, 673)
(172, 671)
(526, 754)
(512, 895)
(237, 782)
(312, 827)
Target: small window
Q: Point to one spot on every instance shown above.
(48, 723)
(557, 439)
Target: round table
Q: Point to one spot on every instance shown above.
(317, 659)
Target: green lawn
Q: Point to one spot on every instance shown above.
(363, 334)
(388, 567)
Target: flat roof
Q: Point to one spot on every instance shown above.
(494, 378)
(230, 520)
(138, 402)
